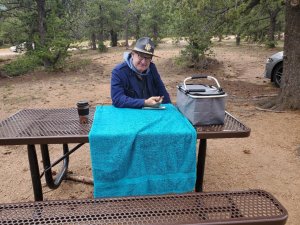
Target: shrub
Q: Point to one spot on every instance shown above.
(271, 44)
(21, 65)
(76, 64)
(195, 55)
(102, 47)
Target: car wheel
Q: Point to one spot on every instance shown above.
(277, 74)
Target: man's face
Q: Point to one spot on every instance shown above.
(141, 61)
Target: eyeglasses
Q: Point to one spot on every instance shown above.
(141, 56)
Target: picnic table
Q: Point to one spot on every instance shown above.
(42, 127)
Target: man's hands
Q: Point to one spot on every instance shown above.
(154, 101)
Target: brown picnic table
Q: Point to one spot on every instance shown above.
(42, 127)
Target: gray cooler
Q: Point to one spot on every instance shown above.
(202, 104)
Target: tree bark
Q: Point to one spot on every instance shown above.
(155, 33)
(42, 28)
(289, 97)
(272, 31)
(127, 26)
(41, 20)
(238, 39)
(220, 36)
(101, 36)
(101, 25)
(93, 39)
(273, 18)
(137, 27)
(114, 38)
(126, 32)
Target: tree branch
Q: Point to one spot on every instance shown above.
(251, 5)
(269, 110)
(82, 179)
(223, 10)
(252, 21)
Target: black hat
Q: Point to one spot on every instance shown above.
(144, 45)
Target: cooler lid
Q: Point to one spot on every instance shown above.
(201, 89)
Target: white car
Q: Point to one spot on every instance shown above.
(274, 68)
(18, 48)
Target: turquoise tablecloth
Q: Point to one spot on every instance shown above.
(142, 152)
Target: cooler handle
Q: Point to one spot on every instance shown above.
(201, 76)
(198, 76)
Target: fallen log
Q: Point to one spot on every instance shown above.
(269, 110)
(264, 96)
(82, 179)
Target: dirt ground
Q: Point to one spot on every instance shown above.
(269, 159)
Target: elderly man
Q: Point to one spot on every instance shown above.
(136, 83)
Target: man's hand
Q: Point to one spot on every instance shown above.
(154, 101)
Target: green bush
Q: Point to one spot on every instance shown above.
(21, 65)
(270, 44)
(102, 47)
(195, 55)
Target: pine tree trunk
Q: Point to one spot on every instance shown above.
(41, 20)
(42, 29)
(271, 36)
(289, 97)
(127, 26)
(114, 38)
(220, 36)
(101, 25)
(137, 27)
(93, 40)
(126, 33)
(273, 19)
(155, 33)
(238, 39)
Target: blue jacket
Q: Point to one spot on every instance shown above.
(129, 91)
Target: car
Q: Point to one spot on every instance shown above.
(274, 68)
(18, 48)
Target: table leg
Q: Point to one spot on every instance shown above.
(35, 173)
(53, 184)
(201, 165)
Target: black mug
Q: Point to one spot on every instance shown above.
(83, 111)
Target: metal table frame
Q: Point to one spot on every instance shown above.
(42, 127)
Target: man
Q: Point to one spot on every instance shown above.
(136, 83)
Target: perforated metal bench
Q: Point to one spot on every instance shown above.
(241, 207)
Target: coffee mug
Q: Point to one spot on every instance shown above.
(83, 111)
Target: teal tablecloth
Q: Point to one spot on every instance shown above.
(142, 152)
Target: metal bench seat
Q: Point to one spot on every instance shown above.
(239, 207)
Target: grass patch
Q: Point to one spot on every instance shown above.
(28, 63)
(75, 64)
(4, 46)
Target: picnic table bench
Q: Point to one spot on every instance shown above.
(253, 207)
